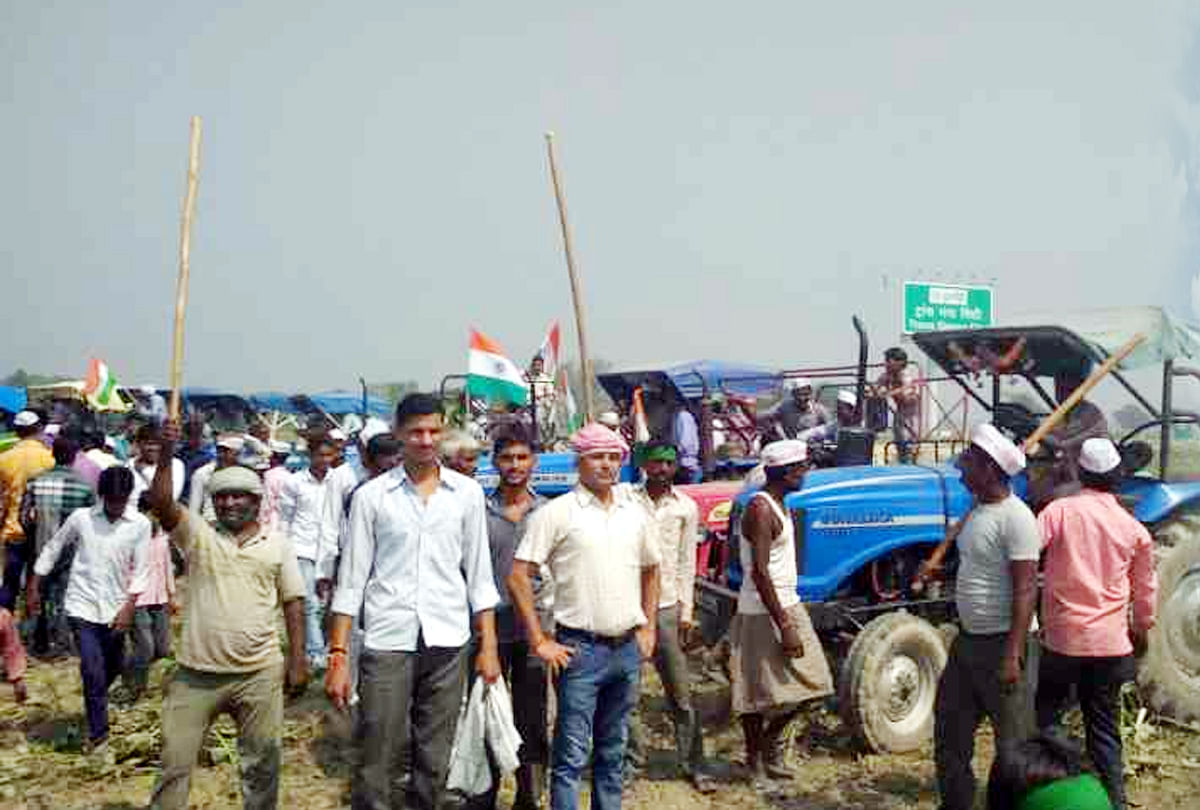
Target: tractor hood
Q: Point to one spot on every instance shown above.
(847, 517)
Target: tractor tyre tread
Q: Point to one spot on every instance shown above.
(1169, 689)
(857, 692)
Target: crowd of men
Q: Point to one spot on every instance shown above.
(401, 580)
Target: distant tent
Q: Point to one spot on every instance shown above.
(337, 403)
(12, 398)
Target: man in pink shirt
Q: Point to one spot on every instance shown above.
(273, 481)
(150, 635)
(1098, 559)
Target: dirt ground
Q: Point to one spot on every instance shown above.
(41, 765)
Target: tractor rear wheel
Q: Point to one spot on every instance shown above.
(1170, 671)
(889, 680)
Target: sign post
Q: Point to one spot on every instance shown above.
(930, 307)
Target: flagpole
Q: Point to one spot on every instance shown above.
(585, 362)
(185, 251)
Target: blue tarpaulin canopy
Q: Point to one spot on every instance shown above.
(694, 379)
(273, 401)
(12, 398)
(343, 402)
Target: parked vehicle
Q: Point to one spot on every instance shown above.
(862, 531)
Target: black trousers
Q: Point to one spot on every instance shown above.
(407, 698)
(1096, 683)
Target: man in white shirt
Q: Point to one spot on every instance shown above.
(416, 566)
(199, 498)
(676, 518)
(599, 546)
(148, 441)
(300, 511)
(108, 574)
(343, 480)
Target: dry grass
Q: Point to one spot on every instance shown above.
(41, 765)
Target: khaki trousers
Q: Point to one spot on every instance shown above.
(193, 701)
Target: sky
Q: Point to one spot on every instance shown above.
(741, 178)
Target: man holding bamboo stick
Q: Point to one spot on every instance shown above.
(239, 572)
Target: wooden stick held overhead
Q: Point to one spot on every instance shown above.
(585, 362)
(1101, 371)
(185, 250)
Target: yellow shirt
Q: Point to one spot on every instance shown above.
(231, 613)
(18, 464)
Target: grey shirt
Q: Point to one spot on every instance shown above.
(995, 536)
(503, 538)
(793, 419)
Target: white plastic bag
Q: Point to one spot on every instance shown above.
(469, 771)
(502, 736)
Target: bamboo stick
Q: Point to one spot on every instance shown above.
(1050, 422)
(185, 250)
(585, 361)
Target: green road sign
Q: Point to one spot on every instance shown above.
(936, 307)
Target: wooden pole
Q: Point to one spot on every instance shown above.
(585, 361)
(185, 251)
(1050, 422)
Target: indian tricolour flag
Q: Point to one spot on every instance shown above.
(100, 387)
(491, 375)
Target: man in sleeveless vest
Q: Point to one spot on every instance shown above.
(778, 664)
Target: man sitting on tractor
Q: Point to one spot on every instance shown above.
(822, 440)
(1055, 473)
(797, 412)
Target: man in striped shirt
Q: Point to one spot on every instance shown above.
(50, 498)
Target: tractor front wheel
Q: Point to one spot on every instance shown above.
(889, 681)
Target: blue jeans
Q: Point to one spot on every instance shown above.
(596, 696)
(101, 659)
(314, 628)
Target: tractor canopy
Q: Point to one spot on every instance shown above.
(693, 380)
(1074, 341)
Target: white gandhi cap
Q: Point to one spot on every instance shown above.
(25, 419)
(784, 453)
(1099, 456)
(999, 447)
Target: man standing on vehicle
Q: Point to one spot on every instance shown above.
(1098, 560)
(676, 518)
(230, 659)
(777, 661)
(600, 548)
(899, 383)
(796, 413)
(416, 567)
(998, 547)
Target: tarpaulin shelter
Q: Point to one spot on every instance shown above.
(337, 403)
(12, 398)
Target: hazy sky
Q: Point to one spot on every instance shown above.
(741, 177)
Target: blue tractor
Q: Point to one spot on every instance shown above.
(862, 531)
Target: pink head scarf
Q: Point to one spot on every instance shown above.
(596, 438)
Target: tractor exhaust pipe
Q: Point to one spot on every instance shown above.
(863, 349)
